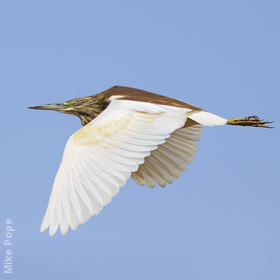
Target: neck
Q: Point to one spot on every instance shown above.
(91, 107)
(85, 119)
(90, 114)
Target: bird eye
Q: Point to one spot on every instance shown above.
(70, 103)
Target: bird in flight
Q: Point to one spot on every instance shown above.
(126, 132)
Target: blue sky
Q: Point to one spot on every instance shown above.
(220, 219)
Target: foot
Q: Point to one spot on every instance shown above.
(249, 121)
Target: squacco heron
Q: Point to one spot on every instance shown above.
(126, 133)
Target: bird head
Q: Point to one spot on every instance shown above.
(86, 108)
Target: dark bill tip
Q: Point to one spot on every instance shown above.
(60, 107)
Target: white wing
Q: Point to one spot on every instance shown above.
(99, 158)
(169, 160)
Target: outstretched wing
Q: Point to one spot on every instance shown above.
(99, 158)
(169, 160)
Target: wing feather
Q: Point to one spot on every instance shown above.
(99, 158)
(169, 160)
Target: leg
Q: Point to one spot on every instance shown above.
(249, 121)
